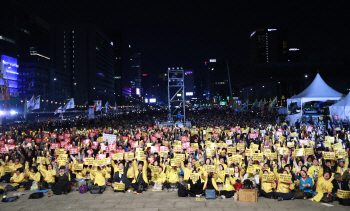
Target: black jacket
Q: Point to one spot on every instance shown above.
(123, 177)
(344, 186)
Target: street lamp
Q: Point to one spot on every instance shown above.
(305, 76)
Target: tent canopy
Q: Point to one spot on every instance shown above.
(318, 90)
(341, 108)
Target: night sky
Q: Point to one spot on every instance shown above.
(186, 34)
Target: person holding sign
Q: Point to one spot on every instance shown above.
(121, 176)
(172, 175)
(338, 184)
(285, 186)
(210, 183)
(267, 184)
(228, 189)
(195, 187)
(159, 176)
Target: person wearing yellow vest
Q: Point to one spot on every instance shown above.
(2, 170)
(140, 181)
(32, 175)
(210, 183)
(172, 175)
(49, 175)
(228, 189)
(267, 186)
(187, 170)
(17, 178)
(324, 185)
(131, 173)
(284, 188)
(313, 171)
(100, 177)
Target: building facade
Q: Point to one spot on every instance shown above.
(83, 64)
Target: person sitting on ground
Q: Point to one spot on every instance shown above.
(140, 181)
(49, 175)
(32, 175)
(100, 177)
(195, 187)
(306, 184)
(17, 178)
(62, 185)
(121, 176)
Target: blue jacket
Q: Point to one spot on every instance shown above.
(308, 181)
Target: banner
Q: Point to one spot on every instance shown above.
(110, 138)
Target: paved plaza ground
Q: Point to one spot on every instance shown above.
(154, 201)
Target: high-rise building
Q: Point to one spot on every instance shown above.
(135, 74)
(83, 63)
(25, 38)
(268, 46)
(119, 62)
(216, 82)
(190, 92)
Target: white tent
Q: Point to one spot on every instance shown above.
(341, 108)
(318, 90)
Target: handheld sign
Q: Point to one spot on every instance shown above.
(285, 178)
(119, 186)
(267, 177)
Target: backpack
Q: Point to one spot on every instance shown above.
(237, 186)
(36, 195)
(181, 191)
(83, 189)
(247, 184)
(95, 190)
(10, 199)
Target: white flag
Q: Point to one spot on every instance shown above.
(30, 104)
(36, 103)
(59, 110)
(69, 105)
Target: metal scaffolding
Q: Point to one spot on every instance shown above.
(176, 93)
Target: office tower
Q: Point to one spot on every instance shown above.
(268, 46)
(83, 63)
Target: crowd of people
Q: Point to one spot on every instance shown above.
(223, 150)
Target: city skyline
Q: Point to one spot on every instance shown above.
(263, 47)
